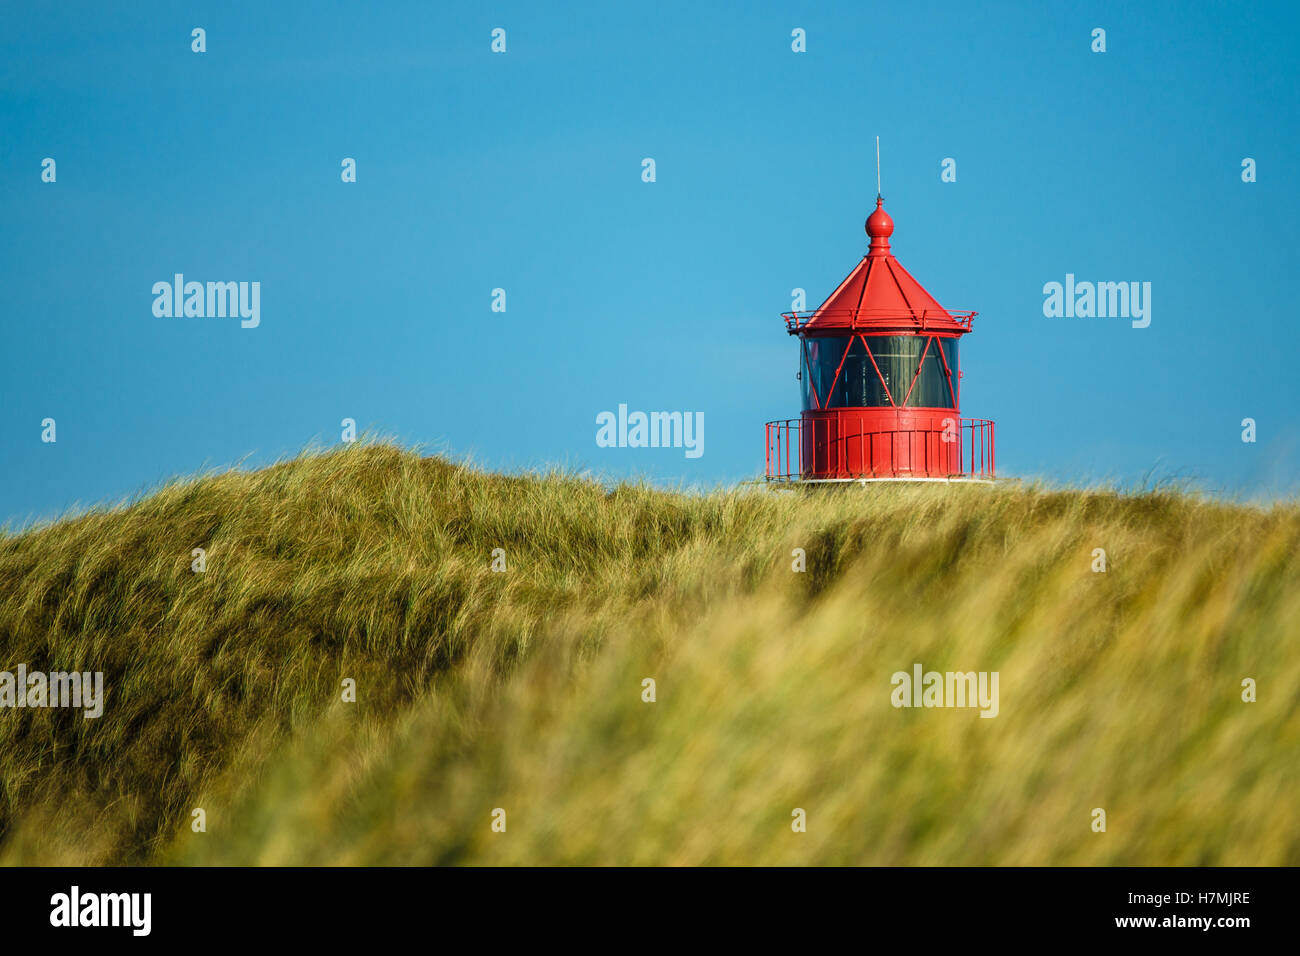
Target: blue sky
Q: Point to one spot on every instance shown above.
(522, 171)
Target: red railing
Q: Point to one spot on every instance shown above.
(862, 319)
(893, 453)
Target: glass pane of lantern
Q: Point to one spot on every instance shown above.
(931, 388)
(823, 358)
(849, 384)
(808, 376)
(897, 356)
(859, 385)
(949, 347)
(805, 376)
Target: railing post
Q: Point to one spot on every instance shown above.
(797, 428)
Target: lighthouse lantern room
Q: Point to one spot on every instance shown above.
(881, 382)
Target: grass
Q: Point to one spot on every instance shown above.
(522, 690)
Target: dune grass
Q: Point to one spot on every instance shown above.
(523, 690)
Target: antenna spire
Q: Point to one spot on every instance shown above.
(877, 167)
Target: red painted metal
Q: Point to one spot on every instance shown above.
(879, 297)
(886, 320)
(840, 448)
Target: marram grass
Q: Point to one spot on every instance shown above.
(523, 691)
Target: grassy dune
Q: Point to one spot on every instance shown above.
(522, 690)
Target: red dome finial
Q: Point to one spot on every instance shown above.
(880, 227)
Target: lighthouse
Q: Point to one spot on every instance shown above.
(880, 374)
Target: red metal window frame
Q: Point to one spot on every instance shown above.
(843, 358)
(888, 394)
(862, 337)
(917, 374)
(893, 403)
(807, 370)
(947, 370)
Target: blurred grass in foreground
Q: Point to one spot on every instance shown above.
(523, 690)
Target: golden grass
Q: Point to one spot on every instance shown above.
(523, 690)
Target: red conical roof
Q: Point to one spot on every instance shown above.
(880, 295)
